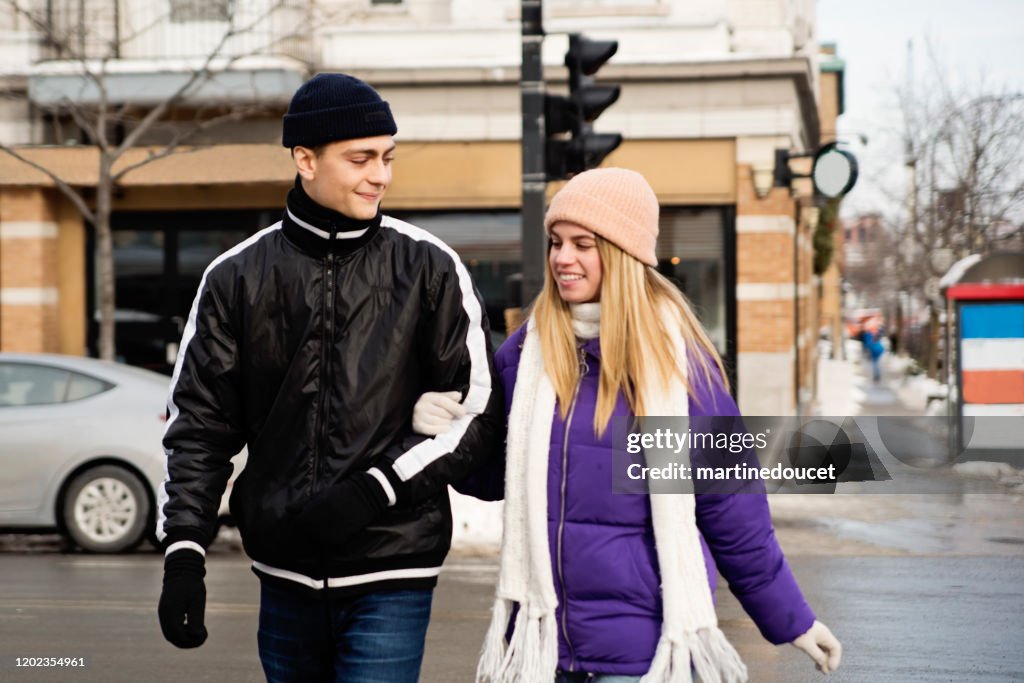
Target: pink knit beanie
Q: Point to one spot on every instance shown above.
(616, 203)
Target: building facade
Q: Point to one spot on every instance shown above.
(710, 88)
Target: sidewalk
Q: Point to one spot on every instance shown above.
(845, 387)
(854, 523)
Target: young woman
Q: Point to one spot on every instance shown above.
(607, 587)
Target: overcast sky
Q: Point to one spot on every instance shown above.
(969, 38)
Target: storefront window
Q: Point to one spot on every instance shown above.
(691, 252)
(138, 266)
(198, 248)
(488, 244)
(159, 259)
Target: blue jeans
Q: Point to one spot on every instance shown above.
(578, 677)
(876, 368)
(373, 638)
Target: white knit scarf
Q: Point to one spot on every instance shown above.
(689, 630)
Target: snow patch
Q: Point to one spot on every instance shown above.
(985, 470)
(476, 524)
(838, 393)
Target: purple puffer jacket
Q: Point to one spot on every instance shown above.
(603, 557)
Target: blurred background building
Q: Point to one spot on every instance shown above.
(710, 88)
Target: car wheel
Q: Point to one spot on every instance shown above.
(105, 510)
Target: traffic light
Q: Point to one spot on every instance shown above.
(574, 114)
(560, 117)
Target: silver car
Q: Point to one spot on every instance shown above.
(80, 449)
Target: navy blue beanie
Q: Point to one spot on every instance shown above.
(332, 107)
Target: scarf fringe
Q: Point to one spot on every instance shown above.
(492, 656)
(707, 650)
(532, 655)
(670, 664)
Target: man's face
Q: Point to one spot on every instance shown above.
(349, 176)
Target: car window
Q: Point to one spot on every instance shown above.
(25, 384)
(31, 385)
(83, 386)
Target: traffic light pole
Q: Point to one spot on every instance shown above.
(534, 179)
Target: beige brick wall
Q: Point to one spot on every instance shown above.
(29, 321)
(809, 316)
(766, 230)
(765, 326)
(26, 204)
(71, 281)
(28, 329)
(828, 105)
(764, 257)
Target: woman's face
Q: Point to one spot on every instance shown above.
(575, 263)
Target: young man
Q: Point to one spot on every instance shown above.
(309, 343)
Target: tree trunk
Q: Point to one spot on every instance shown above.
(896, 335)
(933, 343)
(105, 266)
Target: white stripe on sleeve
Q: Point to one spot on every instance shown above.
(186, 337)
(413, 461)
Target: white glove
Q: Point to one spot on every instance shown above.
(434, 412)
(821, 646)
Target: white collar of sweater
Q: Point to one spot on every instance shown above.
(586, 320)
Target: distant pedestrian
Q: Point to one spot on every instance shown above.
(872, 340)
(604, 587)
(310, 343)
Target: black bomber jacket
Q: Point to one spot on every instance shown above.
(309, 343)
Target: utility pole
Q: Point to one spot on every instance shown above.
(905, 246)
(534, 178)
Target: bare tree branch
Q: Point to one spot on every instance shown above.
(61, 184)
(81, 120)
(200, 75)
(182, 137)
(90, 51)
(964, 192)
(49, 34)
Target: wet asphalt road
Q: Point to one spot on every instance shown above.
(919, 588)
(901, 618)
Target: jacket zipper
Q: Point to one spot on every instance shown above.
(561, 517)
(325, 366)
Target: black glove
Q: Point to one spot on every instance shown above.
(183, 599)
(339, 512)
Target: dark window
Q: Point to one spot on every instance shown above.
(159, 259)
(187, 11)
(488, 244)
(691, 252)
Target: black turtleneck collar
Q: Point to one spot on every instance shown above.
(320, 230)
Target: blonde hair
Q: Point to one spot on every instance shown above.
(634, 348)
